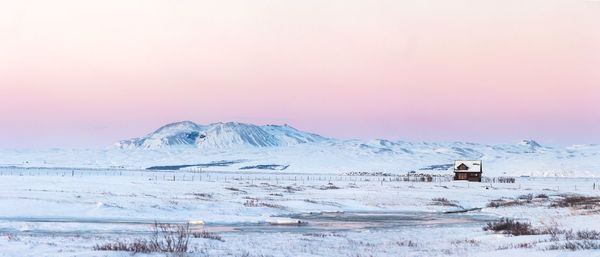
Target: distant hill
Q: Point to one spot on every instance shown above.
(234, 146)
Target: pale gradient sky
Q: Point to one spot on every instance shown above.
(83, 73)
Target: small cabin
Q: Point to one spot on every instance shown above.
(468, 170)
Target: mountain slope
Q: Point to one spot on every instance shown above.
(220, 136)
(231, 134)
(185, 133)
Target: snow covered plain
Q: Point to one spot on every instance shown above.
(65, 212)
(249, 185)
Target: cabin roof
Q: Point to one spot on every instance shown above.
(472, 166)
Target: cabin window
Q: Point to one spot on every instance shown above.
(462, 176)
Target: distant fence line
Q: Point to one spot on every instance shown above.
(221, 176)
(212, 176)
(184, 175)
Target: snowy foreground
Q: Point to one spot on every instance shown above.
(53, 212)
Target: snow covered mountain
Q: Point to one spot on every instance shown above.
(220, 136)
(244, 147)
(180, 133)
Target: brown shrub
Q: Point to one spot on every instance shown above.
(588, 235)
(166, 238)
(577, 201)
(576, 245)
(510, 227)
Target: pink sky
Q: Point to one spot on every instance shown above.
(89, 73)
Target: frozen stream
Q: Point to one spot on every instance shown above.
(298, 223)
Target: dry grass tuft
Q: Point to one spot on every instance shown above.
(441, 201)
(208, 235)
(256, 203)
(329, 186)
(166, 238)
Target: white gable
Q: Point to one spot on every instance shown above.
(473, 166)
